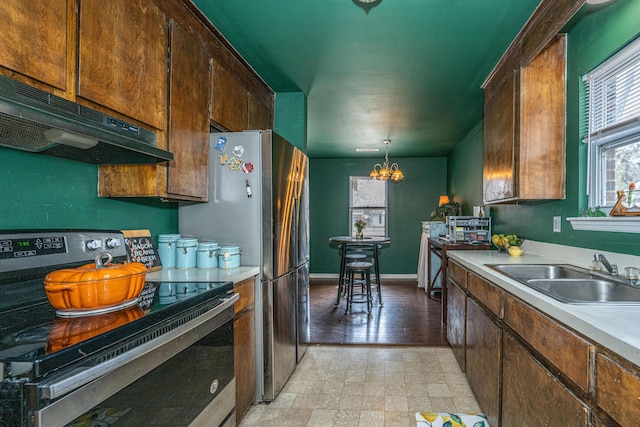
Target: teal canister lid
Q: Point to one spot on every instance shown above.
(229, 249)
(168, 238)
(186, 242)
(207, 246)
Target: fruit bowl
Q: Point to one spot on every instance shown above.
(504, 242)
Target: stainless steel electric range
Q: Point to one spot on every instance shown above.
(159, 361)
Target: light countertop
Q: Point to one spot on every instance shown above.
(614, 327)
(234, 275)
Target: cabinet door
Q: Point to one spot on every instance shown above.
(456, 318)
(541, 155)
(229, 99)
(618, 390)
(499, 138)
(532, 396)
(484, 360)
(34, 39)
(244, 361)
(188, 140)
(123, 51)
(260, 111)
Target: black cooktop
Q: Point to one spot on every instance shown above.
(36, 342)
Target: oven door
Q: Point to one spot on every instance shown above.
(183, 377)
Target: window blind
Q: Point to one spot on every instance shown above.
(613, 93)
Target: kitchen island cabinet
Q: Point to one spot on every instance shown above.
(543, 364)
(49, 54)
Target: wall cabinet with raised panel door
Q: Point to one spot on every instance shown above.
(236, 103)
(527, 368)
(524, 128)
(244, 347)
(40, 42)
(122, 58)
(187, 176)
(196, 78)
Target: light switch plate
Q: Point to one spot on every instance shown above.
(556, 224)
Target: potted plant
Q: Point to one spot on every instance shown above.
(445, 210)
(360, 225)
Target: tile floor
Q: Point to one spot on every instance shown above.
(367, 386)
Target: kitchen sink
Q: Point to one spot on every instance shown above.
(571, 284)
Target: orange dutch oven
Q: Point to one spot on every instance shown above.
(95, 286)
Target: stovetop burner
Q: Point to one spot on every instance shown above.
(36, 341)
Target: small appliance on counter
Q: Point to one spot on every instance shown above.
(60, 367)
(468, 229)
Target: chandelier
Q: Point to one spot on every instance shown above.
(367, 5)
(385, 172)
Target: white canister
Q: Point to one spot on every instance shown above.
(228, 257)
(186, 252)
(167, 249)
(207, 255)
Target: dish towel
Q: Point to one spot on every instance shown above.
(445, 419)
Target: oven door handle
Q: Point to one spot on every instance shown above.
(57, 387)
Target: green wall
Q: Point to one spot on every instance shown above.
(410, 202)
(290, 118)
(465, 171)
(38, 191)
(592, 39)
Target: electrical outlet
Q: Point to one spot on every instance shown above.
(556, 224)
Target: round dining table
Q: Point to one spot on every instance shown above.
(372, 243)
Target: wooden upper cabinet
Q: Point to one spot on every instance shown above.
(229, 99)
(260, 111)
(499, 138)
(122, 59)
(188, 173)
(38, 40)
(524, 128)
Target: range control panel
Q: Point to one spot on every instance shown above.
(32, 246)
(30, 249)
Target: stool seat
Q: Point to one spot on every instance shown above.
(364, 296)
(359, 265)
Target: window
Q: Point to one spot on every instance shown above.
(368, 202)
(613, 126)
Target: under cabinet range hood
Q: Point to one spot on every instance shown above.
(39, 122)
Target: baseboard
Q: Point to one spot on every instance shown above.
(327, 276)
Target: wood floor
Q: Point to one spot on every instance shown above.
(407, 317)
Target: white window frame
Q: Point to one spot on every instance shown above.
(607, 127)
(375, 208)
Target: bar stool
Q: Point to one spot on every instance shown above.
(364, 296)
(371, 252)
(348, 258)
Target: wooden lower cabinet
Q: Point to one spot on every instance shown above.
(244, 358)
(618, 390)
(456, 314)
(244, 347)
(484, 359)
(532, 396)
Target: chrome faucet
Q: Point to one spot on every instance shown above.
(612, 269)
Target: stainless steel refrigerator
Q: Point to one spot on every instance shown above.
(258, 199)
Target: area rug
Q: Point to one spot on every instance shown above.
(446, 419)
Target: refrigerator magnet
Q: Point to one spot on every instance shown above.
(247, 167)
(234, 164)
(222, 158)
(222, 141)
(238, 151)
